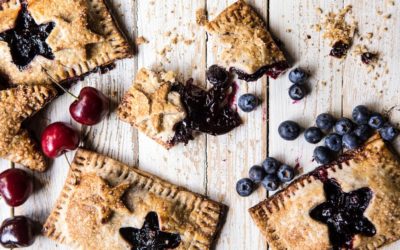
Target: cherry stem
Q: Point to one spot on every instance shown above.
(69, 163)
(59, 85)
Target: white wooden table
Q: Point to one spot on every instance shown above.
(212, 165)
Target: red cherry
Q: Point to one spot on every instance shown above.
(90, 108)
(15, 186)
(18, 231)
(58, 138)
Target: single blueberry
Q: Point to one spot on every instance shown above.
(248, 102)
(325, 121)
(297, 76)
(244, 187)
(289, 130)
(351, 141)
(256, 173)
(285, 173)
(313, 135)
(388, 132)
(297, 92)
(271, 165)
(344, 126)
(334, 142)
(364, 132)
(376, 121)
(217, 75)
(361, 114)
(270, 182)
(323, 155)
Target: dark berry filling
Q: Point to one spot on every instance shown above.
(339, 49)
(343, 213)
(150, 236)
(207, 111)
(273, 70)
(367, 57)
(28, 39)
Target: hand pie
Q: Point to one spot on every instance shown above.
(42, 41)
(108, 205)
(248, 48)
(169, 112)
(16, 105)
(353, 203)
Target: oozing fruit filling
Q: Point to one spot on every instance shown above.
(339, 49)
(28, 39)
(273, 70)
(207, 111)
(343, 214)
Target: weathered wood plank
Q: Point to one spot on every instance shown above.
(175, 43)
(111, 137)
(230, 156)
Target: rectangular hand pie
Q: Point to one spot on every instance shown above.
(108, 205)
(57, 40)
(353, 203)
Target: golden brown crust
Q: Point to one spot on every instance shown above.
(151, 107)
(284, 218)
(248, 45)
(196, 218)
(16, 105)
(85, 37)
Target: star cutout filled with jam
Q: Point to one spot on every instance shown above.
(150, 236)
(28, 39)
(343, 214)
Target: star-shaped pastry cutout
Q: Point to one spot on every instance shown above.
(343, 214)
(110, 200)
(150, 236)
(16, 105)
(28, 39)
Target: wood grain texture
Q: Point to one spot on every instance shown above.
(230, 156)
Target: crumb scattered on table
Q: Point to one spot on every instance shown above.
(201, 17)
(141, 40)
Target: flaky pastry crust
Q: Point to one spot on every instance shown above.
(76, 218)
(284, 218)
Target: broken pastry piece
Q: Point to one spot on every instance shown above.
(170, 112)
(248, 48)
(108, 205)
(352, 203)
(16, 105)
(42, 41)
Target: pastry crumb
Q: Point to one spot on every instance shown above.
(201, 17)
(319, 10)
(141, 40)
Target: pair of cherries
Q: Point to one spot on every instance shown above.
(89, 108)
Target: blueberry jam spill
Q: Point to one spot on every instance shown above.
(273, 70)
(343, 214)
(367, 57)
(27, 39)
(207, 111)
(339, 49)
(150, 236)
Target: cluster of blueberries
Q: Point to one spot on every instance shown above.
(348, 134)
(271, 174)
(298, 90)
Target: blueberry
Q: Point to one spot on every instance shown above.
(376, 121)
(248, 102)
(297, 76)
(257, 173)
(297, 92)
(351, 141)
(271, 165)
(344, 126)
(244, 187)
(270, 182)
(361, 114)
(313, 135)
(334, 142)
(325, 121)
(323, 155)
(364, 132)
(217, 75)
(388, 132)
(285, 173)
(289, 130)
